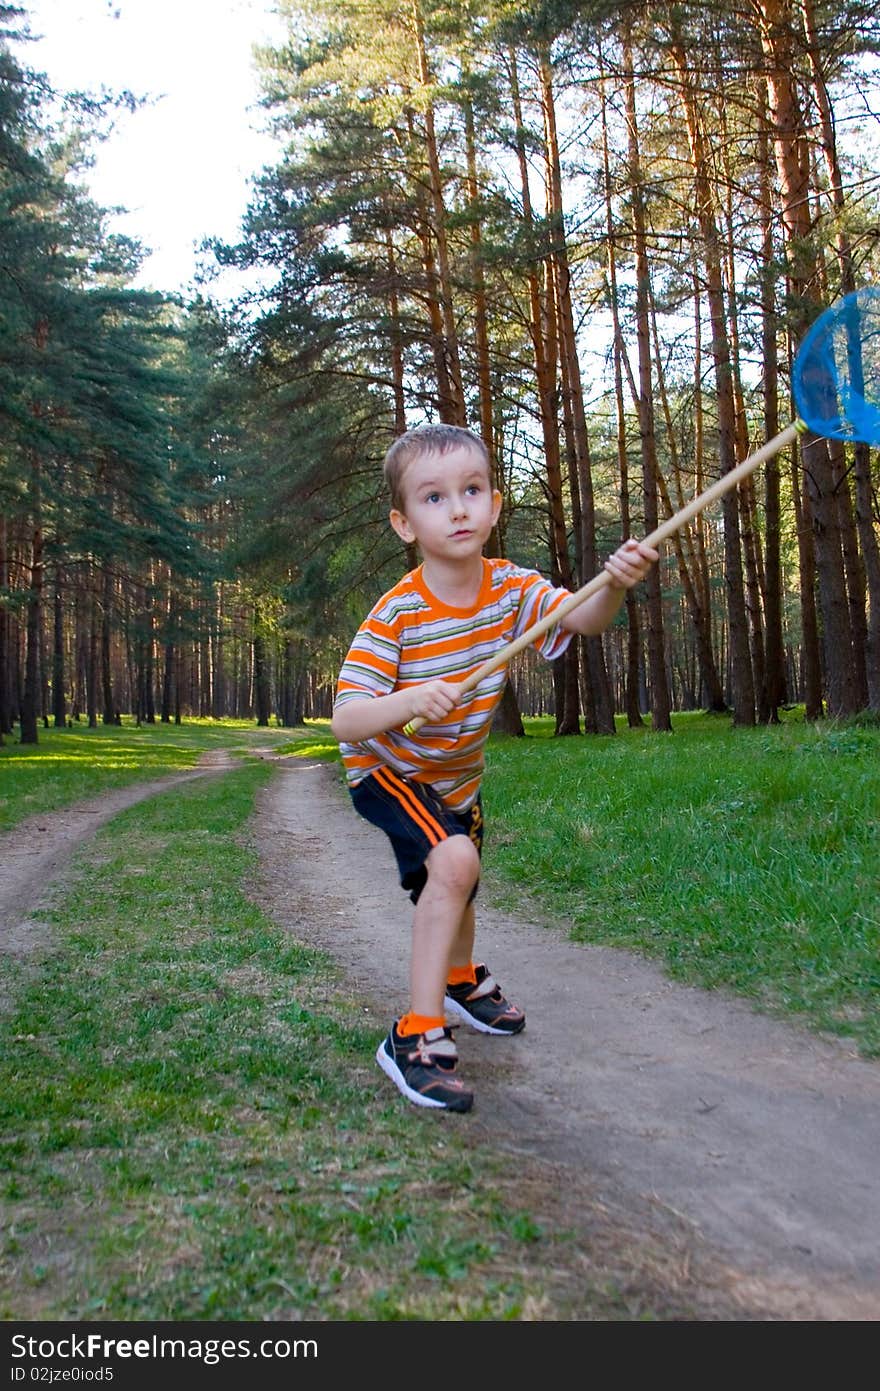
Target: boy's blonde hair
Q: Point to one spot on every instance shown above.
(426, 439)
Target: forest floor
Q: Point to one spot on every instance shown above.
(739, 1145)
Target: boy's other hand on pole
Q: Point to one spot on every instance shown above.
(433, 700)
(630, 563)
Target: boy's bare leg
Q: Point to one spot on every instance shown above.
(453, 867)
(462, 953)
(486, 1009)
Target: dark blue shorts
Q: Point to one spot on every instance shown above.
(415, 820)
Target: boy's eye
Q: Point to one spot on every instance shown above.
(432, 497)
(473, 488)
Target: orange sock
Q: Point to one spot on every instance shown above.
(418, 1024)
(462, 975)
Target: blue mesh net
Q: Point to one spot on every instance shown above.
(836, 374)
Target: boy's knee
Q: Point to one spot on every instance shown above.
(456, 863)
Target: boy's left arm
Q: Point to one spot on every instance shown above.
(628, 565)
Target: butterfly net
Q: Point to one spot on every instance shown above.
(836, 374)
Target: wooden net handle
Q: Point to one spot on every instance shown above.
(661, 533)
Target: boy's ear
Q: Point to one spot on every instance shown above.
(401, 526)
(496, 505)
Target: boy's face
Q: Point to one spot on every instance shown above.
(449, 504)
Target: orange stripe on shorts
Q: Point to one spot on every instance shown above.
(407, 798)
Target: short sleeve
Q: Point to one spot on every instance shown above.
(371, 666)
(538, 598)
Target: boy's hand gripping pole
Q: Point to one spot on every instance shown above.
(666, 529)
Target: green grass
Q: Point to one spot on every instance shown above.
(193, 1126)
(314, 742)
(747, 859)
(69, 764)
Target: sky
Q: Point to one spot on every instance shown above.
(181, 165)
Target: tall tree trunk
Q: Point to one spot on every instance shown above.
(699, 615)
(581, 480)
(633, 637)
(59, 704)
(150, 659)
(661, 703)
(481, 314)
(854, 570)
(508, 719)
(219, 683)
(92, 660)
(30, 704)
(867, 533)
(871, 555)
(45, 666)
(5, 638)
(753, 595)
(168, 670)
(774, 655)
(262, 696)
(169, 666)
(776, 25)
(396, 335)
(701, 529)
(811, 663)
(543, 327)
(178, 684)
(743, 689)
(749, 533)
(109, 712)
(130, 655)
(455, 406)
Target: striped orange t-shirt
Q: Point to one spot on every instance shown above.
(409, 637)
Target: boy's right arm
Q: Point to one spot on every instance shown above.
(362, 717)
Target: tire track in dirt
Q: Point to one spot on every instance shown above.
(35, 854)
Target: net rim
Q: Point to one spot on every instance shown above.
(867, 431)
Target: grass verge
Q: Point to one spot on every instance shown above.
(746, 859)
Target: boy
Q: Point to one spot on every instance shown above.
(407, 660)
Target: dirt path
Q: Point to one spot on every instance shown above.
(744, 1147)
(34, 855)
(757, 1144)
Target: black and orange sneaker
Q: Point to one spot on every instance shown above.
(483, 1006)
(422, 1066)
